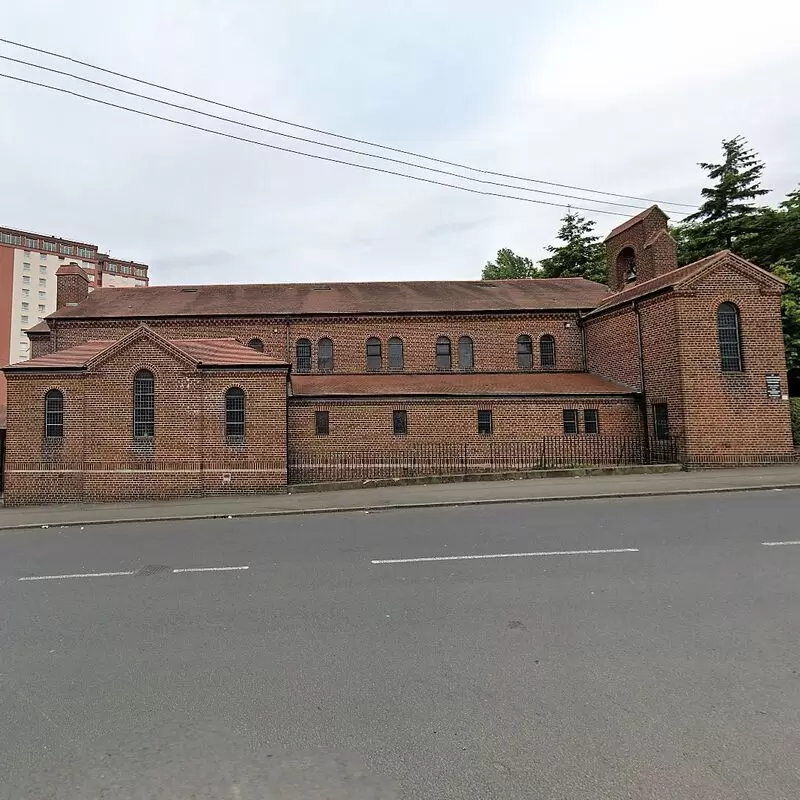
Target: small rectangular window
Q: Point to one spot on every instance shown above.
(42, 281)
(591, 422)
(41, 306)
(26, 278)
(24, 306)
(570, 416)
(23, 318)
(399, 423)
(661, 420)
(485, 423)
(42, 295)
(322, 426)
(43, 269)
(26, 292)
(26, 267)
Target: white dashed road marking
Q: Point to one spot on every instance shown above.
(777, 544)
(126, 573)
(75, 575)
(210, 569)
(508, 555)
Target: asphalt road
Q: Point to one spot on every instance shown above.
(667, 669)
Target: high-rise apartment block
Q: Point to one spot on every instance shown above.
(28, 265)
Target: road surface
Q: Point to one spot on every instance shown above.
(639, 648)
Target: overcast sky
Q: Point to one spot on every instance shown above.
(616, 95)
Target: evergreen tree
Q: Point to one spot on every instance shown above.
(726, 217)
(581, 255)
(507, 265)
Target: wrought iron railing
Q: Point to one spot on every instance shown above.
(446, 458)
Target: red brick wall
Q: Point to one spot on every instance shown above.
(368, 423)
(653, 246)
(612, 347)
(40, 344)
(663, 366)
(98, 459)
(72, 285)
(494, 337)
(728, 415)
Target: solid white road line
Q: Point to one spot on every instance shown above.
(76, 575)
(210, 569)
(777, 544)
(507, 555)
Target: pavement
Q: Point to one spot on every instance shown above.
(643, 648)
(415, 496)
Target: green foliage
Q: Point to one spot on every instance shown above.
(790, 311)
(795, 409)
(581, 255)
(508, 265)
(726, 215)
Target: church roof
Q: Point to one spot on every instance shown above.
(296, 299)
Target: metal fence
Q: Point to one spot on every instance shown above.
(309, 466)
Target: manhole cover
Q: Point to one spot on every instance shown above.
(154, 569)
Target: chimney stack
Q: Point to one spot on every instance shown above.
(72, 285)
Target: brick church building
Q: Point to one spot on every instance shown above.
(177, 390)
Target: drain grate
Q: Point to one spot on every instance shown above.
(154, 569)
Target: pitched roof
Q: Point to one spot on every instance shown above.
(671, 279)
(204, 352)
(338, 298)
(70, 358)
(632, 221)
(39, 327)
(224, 353)
(468, 384)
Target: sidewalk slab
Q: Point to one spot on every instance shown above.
(415, 496)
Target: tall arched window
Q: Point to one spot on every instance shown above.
(730, 338)
(374, 354)
(303, 350)
(234, 413)
(257, 345)
(325, 355)
(144, 405)
(524, 352)
(54, 414)
(466, 353)
(444, 358)
(547, 352)
(395, 353)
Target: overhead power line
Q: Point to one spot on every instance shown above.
(341, 136)
(152, 99)
(308, 155)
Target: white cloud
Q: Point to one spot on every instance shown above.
(546, 94)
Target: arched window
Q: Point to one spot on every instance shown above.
(395, 353)
(144, 405)
(303, 349)
(626, 265)
(444, 358)
(730, 338)
(234, 413)
(325, 355)
(524, 352)
(547, 352)
(466, 354)
(257, 345)
(54, 414)
(374, 356)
